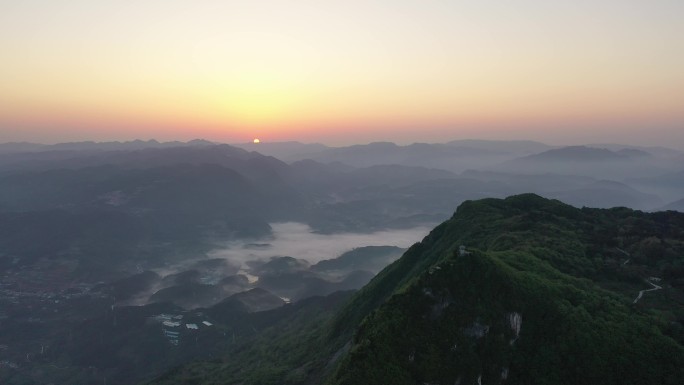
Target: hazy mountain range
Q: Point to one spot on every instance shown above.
(98, 239)
(148, 194)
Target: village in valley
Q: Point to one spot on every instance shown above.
(172, 325)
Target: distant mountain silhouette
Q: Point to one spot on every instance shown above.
(607, 194)
(98, 146)
(14, 147)
(674, 180)
(257, 300)
(368, 258)
(442, 156)
(287, 151)
(580, 154)
(512, 146)
(653, 150)
(599, 163)
(634, 153)
(669, 186)
(676, 206)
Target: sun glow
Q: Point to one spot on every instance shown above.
(256, 141)
(227, 70)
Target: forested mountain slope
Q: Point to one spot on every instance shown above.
(543, 294)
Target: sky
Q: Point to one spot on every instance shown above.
(341, 72)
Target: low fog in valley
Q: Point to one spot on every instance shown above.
(298, 240)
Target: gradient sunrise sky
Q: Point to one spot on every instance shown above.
(340, 72)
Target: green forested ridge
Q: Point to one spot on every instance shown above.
(566, 277)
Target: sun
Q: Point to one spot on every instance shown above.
(256, 141)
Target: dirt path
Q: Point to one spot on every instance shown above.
(641, 293)
(625, 253)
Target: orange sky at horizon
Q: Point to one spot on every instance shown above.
(342, 72)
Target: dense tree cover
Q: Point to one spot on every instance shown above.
(291, 344)
(567, 277)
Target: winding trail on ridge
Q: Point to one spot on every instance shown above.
(625, 253)
(641, 293)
